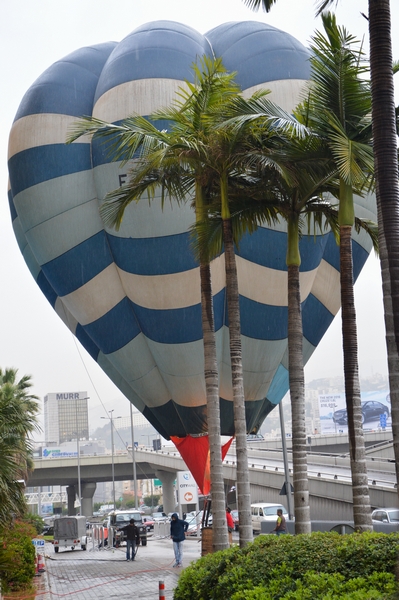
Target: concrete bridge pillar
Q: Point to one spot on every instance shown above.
(169, 500)
(88, 490)
(71, 495)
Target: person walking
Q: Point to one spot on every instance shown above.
(281, 525)
(132, 538)
(178, 529)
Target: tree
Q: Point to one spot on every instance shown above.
(387, 190)
(18, 410)
(386, 173)
(175, 161)
(338, 110)
(288, 176)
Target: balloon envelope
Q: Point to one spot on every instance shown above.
(132, 297)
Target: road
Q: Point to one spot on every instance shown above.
(105, 574)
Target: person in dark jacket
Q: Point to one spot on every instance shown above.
(132, 538)
(178, 528)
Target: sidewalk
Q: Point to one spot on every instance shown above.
(98, 575)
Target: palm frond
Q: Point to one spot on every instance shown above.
(370, 228)
(266, 5)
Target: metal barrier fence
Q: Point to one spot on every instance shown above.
(101, 538)
(162, 529)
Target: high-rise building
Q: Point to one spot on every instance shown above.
(65, 417)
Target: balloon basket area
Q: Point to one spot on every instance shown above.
(207, 540)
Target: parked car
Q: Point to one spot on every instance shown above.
(48, 530)
(159, 517)
(265, 511)
(386, 515)
(234, 514)
(121, 518)
(149, 523)
(371, 411)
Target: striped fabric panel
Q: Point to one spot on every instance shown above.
(132, 297)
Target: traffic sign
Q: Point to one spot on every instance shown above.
(37, 542)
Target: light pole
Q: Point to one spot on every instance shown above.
(112, 454)
(134, 459)
(148, 437)
(78, 449)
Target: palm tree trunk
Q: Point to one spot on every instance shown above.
(393, 357)
(297, 385)
(387, 191)
(385, 141)
(240, 424)
(360, 489)
(220, 539)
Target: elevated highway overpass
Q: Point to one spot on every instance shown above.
(329, 473)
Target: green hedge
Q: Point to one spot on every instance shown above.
(16, 543)
(289, 561)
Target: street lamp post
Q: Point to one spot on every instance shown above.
(78, 449)
(148, 437)
(112, 454)
(134, 459)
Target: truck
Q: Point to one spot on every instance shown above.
(70, 532)
(121, 518)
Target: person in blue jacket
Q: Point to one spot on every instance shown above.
(178, 528)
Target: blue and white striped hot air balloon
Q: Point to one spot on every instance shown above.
(132, 297)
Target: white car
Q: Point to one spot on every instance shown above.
(159, 517)
(386, 515)
(264, 512)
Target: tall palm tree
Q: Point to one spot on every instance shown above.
(338, 109)
(287, 178)
(387, 189)
(288, 173)
(18, 420)
(176, 162)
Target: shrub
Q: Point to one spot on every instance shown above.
(36, 521)
(288, 559)
(17, 543)
(323, 586)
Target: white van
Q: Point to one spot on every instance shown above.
(264, 511)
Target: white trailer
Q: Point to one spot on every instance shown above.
(70, 532)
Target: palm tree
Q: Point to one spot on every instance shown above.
(176, 162)
(289, 171)
(387, 190)
(338, 109)
(386, 168)
(18, 410)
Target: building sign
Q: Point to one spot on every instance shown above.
(187, 488)
(47, 508)
(376, 412)
(58, 453)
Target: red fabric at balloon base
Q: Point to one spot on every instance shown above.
(196, 455)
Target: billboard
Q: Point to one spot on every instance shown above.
(187, 488)
(376, 412)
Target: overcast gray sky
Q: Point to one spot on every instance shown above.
(33, 35)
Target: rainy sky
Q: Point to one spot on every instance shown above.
(33, 35)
